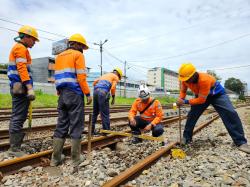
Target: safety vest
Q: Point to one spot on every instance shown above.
(206, 85)
(19, 65)
(154, 113)
(70, 72)
(107, 82)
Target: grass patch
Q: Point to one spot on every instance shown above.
(42, 100)
(48, 100)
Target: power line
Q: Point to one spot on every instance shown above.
(194, 51)
(113, 56)
(5, 20)
(129, 64)
(60, 35)
(17, 31)
(39, 36)
(234, 67)
(178, 30)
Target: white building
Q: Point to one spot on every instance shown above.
(163, 78)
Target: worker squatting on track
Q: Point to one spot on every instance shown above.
(21, 86)
(151, 115)
(71, 85)
(208, 91)
(102, 88)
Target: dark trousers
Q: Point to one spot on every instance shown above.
(141, 124)
(101, 105)
(229, 116)
(70, 115)
(20, 106)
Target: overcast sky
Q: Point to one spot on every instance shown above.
(161, 33)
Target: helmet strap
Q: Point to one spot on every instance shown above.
(19, 38)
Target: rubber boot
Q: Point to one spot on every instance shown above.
(16, 140)
(76, 156)
(57, 156)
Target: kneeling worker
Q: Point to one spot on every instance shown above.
(208, 91)
(151, 115)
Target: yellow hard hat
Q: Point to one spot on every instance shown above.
(79, 38)
(186, 71)
(31, 31)
(119, 71)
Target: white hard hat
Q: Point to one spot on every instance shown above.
(143, 92)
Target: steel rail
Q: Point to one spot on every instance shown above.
(42, 158)
(136, 169)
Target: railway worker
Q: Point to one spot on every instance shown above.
(102, 88)
(21, 85)
(208, 91)
(71, 85)
(150, 117)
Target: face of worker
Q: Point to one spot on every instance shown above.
(115, 72)
(193, 79)
(29, 41)
(145, 100)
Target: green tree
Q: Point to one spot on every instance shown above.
(212, 72)
(235, 85)
(3, 66)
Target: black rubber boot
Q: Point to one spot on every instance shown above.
(57, 156)
(76, 156)
(16, 140)
(136, 140)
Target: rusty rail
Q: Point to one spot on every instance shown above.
(42, 158)
(135, 170)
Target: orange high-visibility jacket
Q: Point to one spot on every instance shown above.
(201, 89)
(107, 82)
(71, 73)
(154, 113)
(19, 65)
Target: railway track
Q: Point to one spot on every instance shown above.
(5, 114)
(42, 158)
(135, 170)
(4, 134)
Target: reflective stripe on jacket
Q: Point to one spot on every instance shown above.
(154, 113)
(206, 85)
(70, 72)
(107, 82)
(19, 65)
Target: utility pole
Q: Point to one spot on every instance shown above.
(101, 50)
(125, 78)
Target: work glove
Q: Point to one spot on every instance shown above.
(31, 95)
(89, 100)
(113, 100)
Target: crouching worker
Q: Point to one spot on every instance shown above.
(208, 91)
(150, 117)
(71, 85)
(21, 86)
